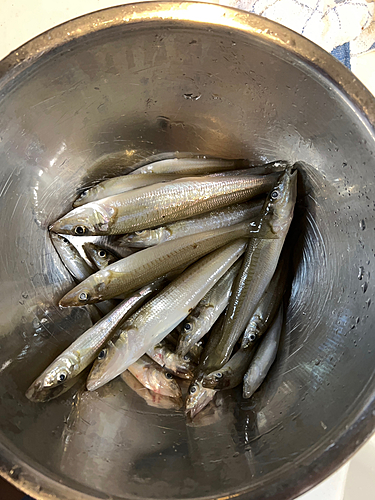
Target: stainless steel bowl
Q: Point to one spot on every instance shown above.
(100, 93)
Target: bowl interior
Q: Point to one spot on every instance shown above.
(95, 107)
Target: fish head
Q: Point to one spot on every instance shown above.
(44, 394)
(198, 397)
(52, 382)
(188, 330)
(279, 205)
(105, 367)
(162, 382)
(214, 380)
(88, 220)
(88, 195)
(182, 366)
(81, 199)
(99, 256)
(143, 238)
(59, 241)
(87, 292)
(64, 246)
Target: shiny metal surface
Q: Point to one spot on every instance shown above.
(94, 96)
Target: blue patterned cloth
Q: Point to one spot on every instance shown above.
(345, 28)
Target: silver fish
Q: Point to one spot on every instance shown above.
(189, 166)
(152, 376)
(216, 219)
(163, 313)
(121, 184)
(258, 266)
(86, 347)
(200, 321)
(148, 264)
(152, 398)
(268, 305)
(161, 203)
(264, 357)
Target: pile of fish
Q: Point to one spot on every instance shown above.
(199, 295)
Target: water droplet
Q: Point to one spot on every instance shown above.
(364, 287)
(362, 224)
(192, 97)
(361, 271)
(368, 302)
(357, 320)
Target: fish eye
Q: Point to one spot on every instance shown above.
(186, 358)
(218, 375)
(84, 193)
(169, 375)
(102, 254)
(62, 377)
(65, 240)
(80, 230)
(274, 194)
(187, 327)
(102, 354)
(193, 389)
(140, 232)
(252, 337)
(83, 296)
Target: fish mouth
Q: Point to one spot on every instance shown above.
(61, 227)
(69, 301)
(36, 393)
(209, 382)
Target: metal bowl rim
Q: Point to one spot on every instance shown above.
(323, 462)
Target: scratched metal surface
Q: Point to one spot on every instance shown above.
(92, 103)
